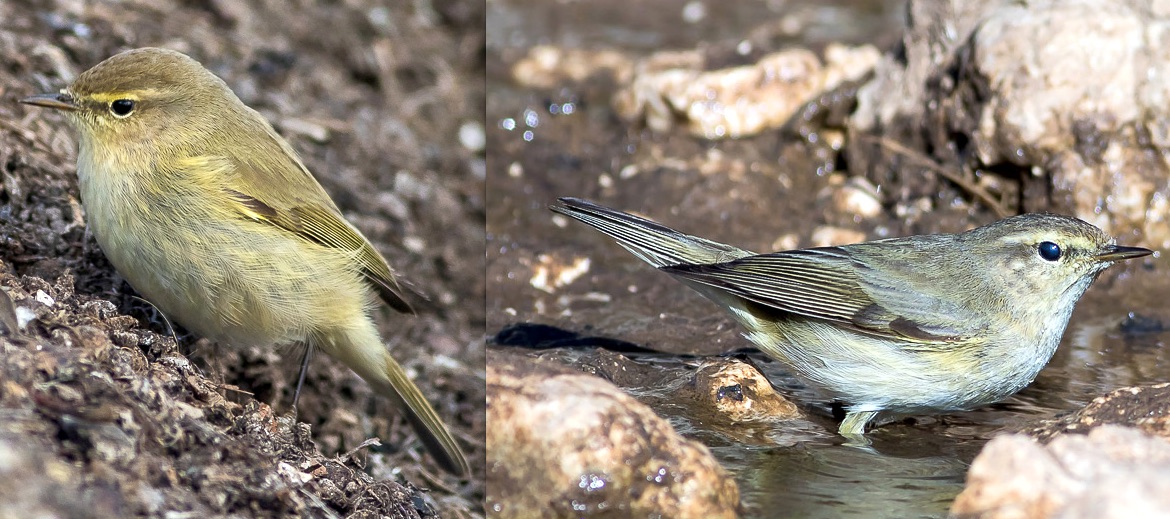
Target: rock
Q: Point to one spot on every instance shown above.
(1069, 93)
(738, 101)
(1120, 468)
(1146, 408)
(856, 197)
(828, 236)
(670, 86)
(547, 66)
(565, 444)
(732, 397)
(550, 273)
(739, 393)
(1113, 472)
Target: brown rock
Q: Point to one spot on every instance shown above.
(547, 66)
(740, 393)
(566, 444)
(1067, 92)
(856, 197)
(828, 235)
(1113, 472)
(1146, 408)
(738, 101)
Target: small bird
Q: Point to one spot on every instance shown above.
(921, 324)
(213, 218)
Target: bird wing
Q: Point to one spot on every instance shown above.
(825, 284)
(324, 226)
(301, 207)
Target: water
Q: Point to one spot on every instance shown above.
(754, 193)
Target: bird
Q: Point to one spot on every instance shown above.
(210, 215)
(919, 324)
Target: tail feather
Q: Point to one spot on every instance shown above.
(650, 241)
(425, 421)
(361, 349)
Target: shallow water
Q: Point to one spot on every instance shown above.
(915, 467)
(754, 193)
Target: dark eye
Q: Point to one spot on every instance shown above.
(1049, 251)
(121, 107)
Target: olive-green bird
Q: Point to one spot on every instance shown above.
(213, 218)
(920, 324)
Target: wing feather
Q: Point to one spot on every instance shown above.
(316, 219)
(824, 283)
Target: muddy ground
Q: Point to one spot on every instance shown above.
(105, 413)
(558, 290)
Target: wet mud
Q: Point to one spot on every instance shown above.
(558, 290)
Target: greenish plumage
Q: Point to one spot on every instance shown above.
(906, 325)
(213, 218)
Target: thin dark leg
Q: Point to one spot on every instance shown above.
(301, 377)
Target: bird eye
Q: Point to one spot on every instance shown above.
(1049, 251)
(121, 107)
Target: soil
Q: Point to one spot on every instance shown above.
(108, 411)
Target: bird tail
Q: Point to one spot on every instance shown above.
(650, 241)
(361, 349)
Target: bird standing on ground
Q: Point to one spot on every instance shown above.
(920, 324)
(213, 218)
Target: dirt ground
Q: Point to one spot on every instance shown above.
(105, 413)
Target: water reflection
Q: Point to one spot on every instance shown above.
(915, 466)
(794, 468)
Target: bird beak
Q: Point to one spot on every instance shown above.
(62, 101)
(1118, 253)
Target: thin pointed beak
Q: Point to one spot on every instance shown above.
(60, 101)
(1114, 253)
